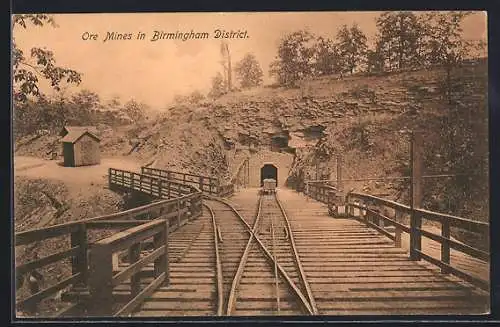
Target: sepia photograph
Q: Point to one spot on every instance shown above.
(250, 164)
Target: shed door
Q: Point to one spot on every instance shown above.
(69, 155)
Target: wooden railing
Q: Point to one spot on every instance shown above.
(77, 253)
(369, 209)
(102, 281)
(184, 207)
(148, 184)
(206, 184)
(327, 194)
(203, 183)
(241, 175)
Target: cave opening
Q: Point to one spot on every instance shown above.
(268, 170)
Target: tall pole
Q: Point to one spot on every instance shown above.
(339, 186)
(339, 173)
(416, 165)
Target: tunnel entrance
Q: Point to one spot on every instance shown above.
(268, 171)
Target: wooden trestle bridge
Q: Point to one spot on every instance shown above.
(205, 249)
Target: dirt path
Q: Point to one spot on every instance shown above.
(75, 178)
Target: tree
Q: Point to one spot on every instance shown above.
(294, 60)
(42, 64)
(249, 72)
(114, 104)
(327, 57)
(226, 65)
(195, 97)
(445, 44)
(82, 107)
(375, 61)
(400, 39)
(218, 86)
(136, 111)
(179, 98)
(352, 46)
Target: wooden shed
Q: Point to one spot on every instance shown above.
(80, 146)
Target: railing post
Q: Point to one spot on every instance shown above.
(134, 254)
(381, 222)
(165, 262)
(79, 262)
(328, 201)
(339, 173)
(160, 187)
(201, 183)
(109, 177)
(445, 245)
(415, 195)
(192, 208)
(397, 237)
(347, 207)
(159, 241)
(178, 213)
(248, 172)
(101, 280)
(132, 177)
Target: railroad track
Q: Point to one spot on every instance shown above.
(193, 271)
(261, 273)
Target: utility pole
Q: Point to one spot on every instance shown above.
(416, 165)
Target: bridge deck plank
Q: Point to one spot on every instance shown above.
(348, 277)
(352, 270)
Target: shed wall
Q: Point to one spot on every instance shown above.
(87, 151)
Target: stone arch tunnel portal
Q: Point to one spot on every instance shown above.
(268, 170)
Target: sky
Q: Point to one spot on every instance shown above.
(153, 72)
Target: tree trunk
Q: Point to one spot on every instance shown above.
(229, 71)
(401, 49)
(448, 83)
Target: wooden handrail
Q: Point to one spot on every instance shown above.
(187, 205)
(200, 181)
(242, 164)
(367, 206)
(102, 281)
(203, 183)
(471, 225)
(325, 193)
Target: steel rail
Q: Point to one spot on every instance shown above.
(305, 303)
(243, 260)
(277, 282)
(220, 294)
(302, 274)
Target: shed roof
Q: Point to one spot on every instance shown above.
(73, 136)
(68, 129)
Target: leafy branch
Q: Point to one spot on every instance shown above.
(26, 73)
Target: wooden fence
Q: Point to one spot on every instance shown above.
(327, 194)
(187, 205)
(369, 210)
(206, 184)
(102, 281)
(242, 173)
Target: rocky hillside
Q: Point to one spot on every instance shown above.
(376, 141)
(365, 118)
